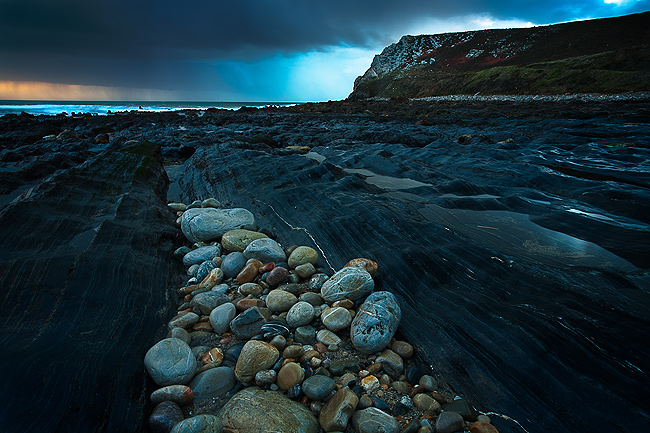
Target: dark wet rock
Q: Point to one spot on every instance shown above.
(348, 283)
(255, 356)
(338, 410)
(221, 316)
(248, 323)
(376, 322)
(391, 362)
(206, 224)
(318, 387)
(254, 410)
(449, 422)
(179, 394)
(265, 250)
(232, 264)
(463, 408)
(204, 303)
(165, 416)
(204, 269)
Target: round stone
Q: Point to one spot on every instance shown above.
(165, 416)
(205, 302)
(179, 394)
(304, 334)
(402, 348)
(369, 383)
(426, 403)
(276, 276)
(221, 316)
(211, 202)
(348, 283)
(391, 362)
(250, 289)
(255, 356)
(428, 383)
(449, 422)
(170, 362)
(318, 387)
(239, 239)
(482, 427)
(290, 374)
(278, 301)
(213, 278)
(203, 423)
(336, 319)
(375, 323)
(327, 337)
(313, 298)
(373, 420)
(181, 334)
(200, 255)
(300, 314)
(305, 271)
(337, 411)
(316, 282)
(302, 255)
(232, 264)
(265, 250)
(368, 265)
(265, 377)
(206, 224)
(254, 410)
(204, 270)
(211, 383)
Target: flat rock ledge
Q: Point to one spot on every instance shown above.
(265, 339)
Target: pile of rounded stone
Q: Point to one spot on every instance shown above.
(266, 340)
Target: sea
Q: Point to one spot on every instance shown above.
(54, 108)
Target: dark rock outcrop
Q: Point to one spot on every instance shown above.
(84, 264)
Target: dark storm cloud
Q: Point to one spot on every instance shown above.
(116, 40)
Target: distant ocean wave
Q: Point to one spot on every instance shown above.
(106, 107)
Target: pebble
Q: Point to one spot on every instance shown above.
(177, 207)
(204, 303)
(463, 408)
(254, 410)
(170, 362)
(250, 289)
(402, 348)
(305, 334)
(203, 423)
(348, 283)
(239, 239)
(246, 303)
(367, 265)
(248, 323)
(213, 278)
(336, 413)
(482, 427)
(373, 420)
(165, 416)
(211, 202)
(302, 255)
(265, 377)
(316, 282)
(265, 250)
(449, 422)
(249, 272)
(305, 271)
(340, 366)
(375, 323)
(369, 383)
(276, 276)
(327, 337)
(255, 356)
(300, 314)
(181, 334)
(336, 319)
(290, 374)
(232, 264)
(204, 270)
(200, 255)
(279, 300)
(426, 403)
(179, 394)
(391, 362)
(206, 224)
(313, 298)
(221, 316)
(428, 383)
(318, 387)
(215, 382)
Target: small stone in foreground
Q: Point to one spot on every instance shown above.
(203, 423)
(449, 422)
(170, 362)
(373, 420)
(336, 413)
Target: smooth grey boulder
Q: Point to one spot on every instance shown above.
(221, 317)
(214, 382)
(265, 250)
(373, 420)
(375, 322)
(203, 423)
(200, 255)
(205, 224)
(205, 302)
(348, 283)
(254, 410)
(170, 362)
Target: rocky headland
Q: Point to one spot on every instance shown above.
(512, 232)
(609, 55)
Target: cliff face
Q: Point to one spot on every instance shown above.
(606, 55)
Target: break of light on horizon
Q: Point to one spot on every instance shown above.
(243, 67)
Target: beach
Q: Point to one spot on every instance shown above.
(513, 232)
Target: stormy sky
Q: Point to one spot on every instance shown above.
(237, 50)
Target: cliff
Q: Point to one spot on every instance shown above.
(609, 55)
